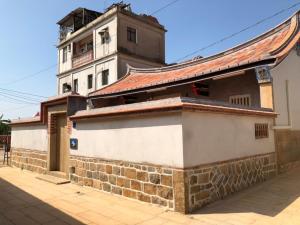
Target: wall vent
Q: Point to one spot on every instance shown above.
(261, 130)
(243, 100)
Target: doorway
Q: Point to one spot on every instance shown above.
(61, 156)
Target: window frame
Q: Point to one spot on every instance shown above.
(132, 32)
(75, 85)
(65, 54)
(90, 81)
(261, 130)
(107, 77)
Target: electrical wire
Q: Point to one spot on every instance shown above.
(52, 66)
(164, 7)
(17, 108)
(17, 99)
(31, 75)
(21, 97)
(238, 32)
(20, 92)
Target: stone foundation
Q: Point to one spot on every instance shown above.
(147, 183)
(215, 181)
(288, 166)
(288, 149)
(32, 160)
(177, 189)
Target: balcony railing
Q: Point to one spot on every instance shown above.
(82, 59)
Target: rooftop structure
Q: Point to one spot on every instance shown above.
(266, 50)
(94, 48)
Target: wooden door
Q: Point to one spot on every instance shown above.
(62, 151)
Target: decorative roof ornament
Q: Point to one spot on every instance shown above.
(263, 74)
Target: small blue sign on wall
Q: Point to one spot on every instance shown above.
(74, 143)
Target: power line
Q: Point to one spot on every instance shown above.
(164, 7)
(22, 97)
(16, 108)
(31, 75)
(238, 32)
(20, 92)
(52, 66)
(16, 99)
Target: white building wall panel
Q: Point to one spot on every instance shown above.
(30, 137)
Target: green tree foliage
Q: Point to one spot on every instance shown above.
(4, 127)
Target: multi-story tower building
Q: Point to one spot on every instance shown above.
(96, 48)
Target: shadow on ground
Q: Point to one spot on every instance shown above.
(268, 198)
(20, 208)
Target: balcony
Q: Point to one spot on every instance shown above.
(84, 58)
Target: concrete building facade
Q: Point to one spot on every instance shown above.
(180, 136)
(97, 52)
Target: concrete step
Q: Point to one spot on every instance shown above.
(52, 179)
(58, 174)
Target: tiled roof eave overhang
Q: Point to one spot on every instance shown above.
(42, 119)
(29, 121)
(267, 49)
(165, 106)
(190, 79)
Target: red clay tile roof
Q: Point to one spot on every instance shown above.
(23, 121)
(170, 104)
(267, 49)
(40, 117)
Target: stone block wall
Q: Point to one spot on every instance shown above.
(147, 183)
(182, 190)
(209, 183)
(32, 160)
(288, 149)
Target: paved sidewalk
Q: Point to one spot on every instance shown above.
(25, 200)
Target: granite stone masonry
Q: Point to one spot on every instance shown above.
(32, 160)
(182, 190)
(212, 182)
(147, 183)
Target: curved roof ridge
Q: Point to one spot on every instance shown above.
(265, 49)
(220, 54)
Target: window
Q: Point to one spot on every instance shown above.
(261, 130)
(90, 81)
(243, 100)
(200, 89)
(89, 46)
(104, 35)
(65, 54)
(131, 34)
(66, 88)
(75, 85)
(105, 74)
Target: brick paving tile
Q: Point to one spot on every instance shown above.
(27, 200)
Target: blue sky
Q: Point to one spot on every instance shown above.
(29, 34)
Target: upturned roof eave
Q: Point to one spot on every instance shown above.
(190, 79)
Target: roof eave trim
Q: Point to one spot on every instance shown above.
(178, 107)
(195, 78)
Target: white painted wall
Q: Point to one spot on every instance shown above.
(64, 66)
(288, 70)
(111, 64)
(151, 139)
(30, 137)
(82, 76)
(150, 40)
(102, 50)
(124, 60)
(65, 79)
(212, 137)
